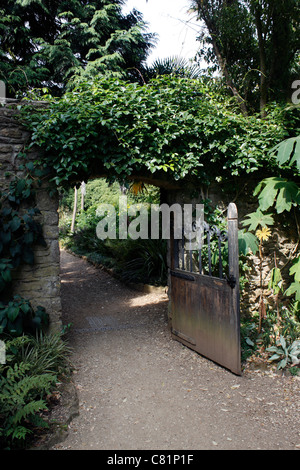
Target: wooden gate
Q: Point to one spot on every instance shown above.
(204, 293)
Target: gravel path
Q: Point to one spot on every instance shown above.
(140, 390)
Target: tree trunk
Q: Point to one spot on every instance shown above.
(228, 79)
(263, 64)
(222, 62)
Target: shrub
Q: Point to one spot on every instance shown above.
(46, 353)
(33, 367)
(18, 316)
(21, 400)
(284, 353)
(146, 262)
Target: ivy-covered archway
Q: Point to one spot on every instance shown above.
(172, 132)
(176, 127)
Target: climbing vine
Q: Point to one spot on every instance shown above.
(178, 126)
(20, 231)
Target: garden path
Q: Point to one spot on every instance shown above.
(138, 389)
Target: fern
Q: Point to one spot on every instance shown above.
(19, 432)
(21, 401)
(30, 373)
(28, 410)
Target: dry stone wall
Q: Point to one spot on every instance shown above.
(39, 283)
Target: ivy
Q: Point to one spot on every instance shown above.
(20, 231)
(17, 317)
(177, 126)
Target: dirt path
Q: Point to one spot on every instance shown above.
(139, 389)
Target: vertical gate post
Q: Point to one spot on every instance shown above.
(233, 259)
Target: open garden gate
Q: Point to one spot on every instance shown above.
(204, 293)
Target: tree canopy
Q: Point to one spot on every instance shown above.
(47, 43)
(255, 44)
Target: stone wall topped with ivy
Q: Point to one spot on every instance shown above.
(30, 260)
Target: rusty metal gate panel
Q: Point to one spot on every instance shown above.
(205, 312)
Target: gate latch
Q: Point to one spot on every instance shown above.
(231, 281)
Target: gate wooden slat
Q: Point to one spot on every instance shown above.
(205, 312)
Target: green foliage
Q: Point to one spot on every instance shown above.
(172, 125)
(46, 353)
(21, 401)
(277, 190)
(273, 328)
(139, 261)
(294, 288)
(18, 316)
(288, 152)
(19, 229)
(100, 191)
(256, 219)
(33, 365)
(286, 354)
(46, 44)
(248, 242)
(259, 59)
(145, 262)
(275, 283)
(175, 66)
(249, 335)
(19, 232)
(281, 195)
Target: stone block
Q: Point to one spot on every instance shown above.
(45, 202)
(50, 217)
(5, 148)
(50, 232)
(11, 132)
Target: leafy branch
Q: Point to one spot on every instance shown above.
(281, 195)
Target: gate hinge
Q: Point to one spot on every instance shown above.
(231, 281)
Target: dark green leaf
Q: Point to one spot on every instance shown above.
(15, 224)
(5, 237)
(28, 255)
(12, 313)
(6, 275)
